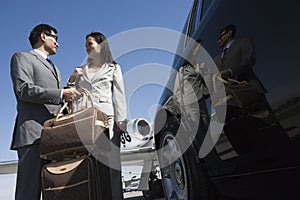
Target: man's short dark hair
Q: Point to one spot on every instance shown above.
(228, 28)
(36, 32)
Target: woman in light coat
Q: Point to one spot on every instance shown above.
(102, 76)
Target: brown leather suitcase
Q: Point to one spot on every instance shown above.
(82, 178)
(74, 133)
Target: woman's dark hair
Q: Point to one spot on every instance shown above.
(36, 32)
(105, 53)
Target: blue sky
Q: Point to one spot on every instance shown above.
(73, 20)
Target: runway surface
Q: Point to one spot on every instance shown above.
(136, 196)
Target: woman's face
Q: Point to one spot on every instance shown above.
(194, 54)
(92, 46)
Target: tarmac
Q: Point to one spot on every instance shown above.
(136, 196)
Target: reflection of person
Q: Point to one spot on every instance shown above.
(236, 61)
(190, 91)
(237, 56)
(103, 78)
(38, 89)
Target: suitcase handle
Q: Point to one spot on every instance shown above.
(85, 96)
(63, 167)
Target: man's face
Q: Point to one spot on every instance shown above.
(51, 44)
(224, 38)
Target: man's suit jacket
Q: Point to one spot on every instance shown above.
(37, 87)
(107, 88)
(239, 58)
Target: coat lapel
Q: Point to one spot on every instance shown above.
(104, 69)
(46, 64)
(85, 72)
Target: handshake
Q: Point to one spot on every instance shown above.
(69, 94)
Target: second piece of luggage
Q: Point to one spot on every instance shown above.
(82, 178)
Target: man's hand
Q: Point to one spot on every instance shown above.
(70, 93)
(225, 74)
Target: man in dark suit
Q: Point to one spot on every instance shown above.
(247, 129)
(39, 93)
(237, 56)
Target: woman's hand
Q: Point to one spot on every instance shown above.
(121, 127)
(77, 71)
(201, 68)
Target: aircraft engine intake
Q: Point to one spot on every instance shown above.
(138, 134)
